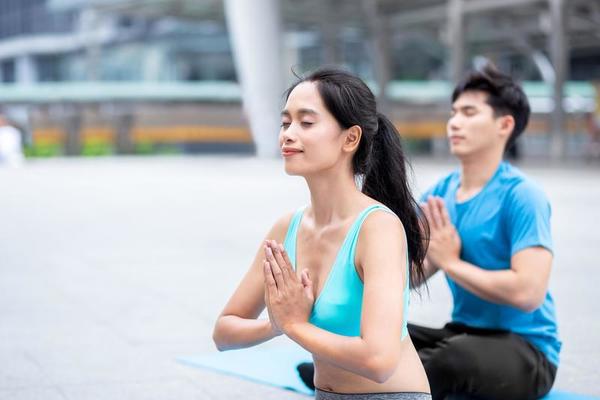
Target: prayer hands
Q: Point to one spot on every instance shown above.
(289, 298)
(444, 244)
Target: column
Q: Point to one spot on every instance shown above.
(560, 59)
(256, 38)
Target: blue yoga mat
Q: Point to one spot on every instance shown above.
(276, 366)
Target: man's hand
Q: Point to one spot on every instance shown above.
(444, 244)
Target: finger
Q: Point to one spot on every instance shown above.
(286, 259)
(285, 269)
(275, 269)
(270, 284)
(435, 213)
(423, 222)
(269, 256)
(427, 211)
(444, 212)
(439, 207)
(307, 284)
(306, 281)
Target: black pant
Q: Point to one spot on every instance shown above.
(465, 362)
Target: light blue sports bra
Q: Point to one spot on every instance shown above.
(339, 305)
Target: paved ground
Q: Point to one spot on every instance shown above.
(111, 268)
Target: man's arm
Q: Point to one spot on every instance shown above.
(523, 286)
(428, 271)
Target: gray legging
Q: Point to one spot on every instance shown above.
(324, 395)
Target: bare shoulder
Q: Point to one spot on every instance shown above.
(381, 242)
(380, 230)
(382, 224)
(280, 227)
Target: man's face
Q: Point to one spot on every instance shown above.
(473, 128)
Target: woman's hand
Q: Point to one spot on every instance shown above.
(289, 298)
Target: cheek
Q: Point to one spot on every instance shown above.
(478, 127)
(322, 149)
(324, 139)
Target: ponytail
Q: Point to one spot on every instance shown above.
(386, 181)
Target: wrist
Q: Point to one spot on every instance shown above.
(292, 329)
(450, 266)
(271, 329)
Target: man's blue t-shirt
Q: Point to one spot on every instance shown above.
(508, 215)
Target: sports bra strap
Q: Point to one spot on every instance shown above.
(290, 238)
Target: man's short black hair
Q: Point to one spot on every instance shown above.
(504, 95)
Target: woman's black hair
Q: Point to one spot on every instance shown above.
(379, 161)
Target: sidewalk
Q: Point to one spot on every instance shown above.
(112, 268)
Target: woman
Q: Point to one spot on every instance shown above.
(334, 276)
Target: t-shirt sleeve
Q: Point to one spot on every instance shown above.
(426, 194)
(529, 218)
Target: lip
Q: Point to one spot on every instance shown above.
(456, 139)
(287, 152)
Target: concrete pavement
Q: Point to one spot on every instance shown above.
(111, 268)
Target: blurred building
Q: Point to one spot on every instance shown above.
(53, 41)
(133, 73)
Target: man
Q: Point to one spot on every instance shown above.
(490, 235)
(11, 148)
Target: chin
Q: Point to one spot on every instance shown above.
(291, 169)
(458, 151)
(292, 172)
(303, 169)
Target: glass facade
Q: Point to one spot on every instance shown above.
(140, 46)
(27, 17)
(132, 48)
(7, 71)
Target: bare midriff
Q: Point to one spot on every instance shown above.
(408, 377)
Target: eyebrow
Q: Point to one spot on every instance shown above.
(464, 108)
(301, 111)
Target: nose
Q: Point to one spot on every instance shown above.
(287, 136)
(453, 123)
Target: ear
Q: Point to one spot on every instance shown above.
(506, 125)
(352, 138)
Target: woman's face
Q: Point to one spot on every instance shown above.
(310, 137)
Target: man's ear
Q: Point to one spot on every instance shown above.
(352, 140)
(506, 125)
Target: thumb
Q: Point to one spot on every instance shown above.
(307, 283)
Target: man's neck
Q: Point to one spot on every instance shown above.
(476, 171)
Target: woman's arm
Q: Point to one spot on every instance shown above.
(381, 255)
(237, 326)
